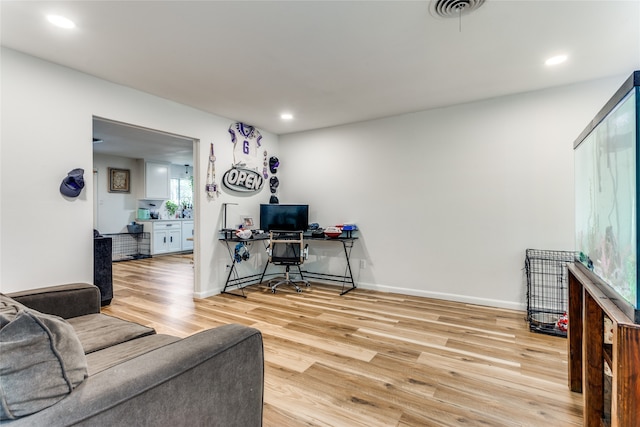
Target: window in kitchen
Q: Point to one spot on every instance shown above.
(182, 192)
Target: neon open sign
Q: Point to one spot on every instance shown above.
(243, 180)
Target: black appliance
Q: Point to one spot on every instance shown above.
(102, 269)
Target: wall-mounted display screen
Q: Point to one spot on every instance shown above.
(606, 185)
(284, 217)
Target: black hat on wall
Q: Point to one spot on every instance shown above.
(273, 164)
(274, 182)
(73, 183)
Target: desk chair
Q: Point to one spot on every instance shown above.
(287, 248)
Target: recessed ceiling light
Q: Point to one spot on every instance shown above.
(286, 116)
(61, 21)
(555, 60)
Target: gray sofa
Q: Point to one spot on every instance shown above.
(118, 373)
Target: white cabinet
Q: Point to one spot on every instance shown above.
(187, 233)
(166, 236)
(157, 177)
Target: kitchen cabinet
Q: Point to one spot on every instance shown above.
(187, 232)
(166, 236)
(157, 177)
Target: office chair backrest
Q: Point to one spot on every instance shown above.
(286, 247)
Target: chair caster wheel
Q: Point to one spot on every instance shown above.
(308, 285)
(298, 290)
(273, 291)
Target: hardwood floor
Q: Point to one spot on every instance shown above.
(368, 358)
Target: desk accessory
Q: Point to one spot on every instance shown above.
(333, 232)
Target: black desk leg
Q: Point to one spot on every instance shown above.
(266, 265)
(347, 255)
(226, 284)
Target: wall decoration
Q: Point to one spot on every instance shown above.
(73, 183)
(211, 187)
(243, 176)
(243, 180)
(274, 182)
(246, 140)
(265, 175)
(119, 180)
(273, 164)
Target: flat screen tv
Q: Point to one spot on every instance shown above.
(284, 217)
(606, 199)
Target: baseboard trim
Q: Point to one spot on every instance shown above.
(203, 295)
(509, 305)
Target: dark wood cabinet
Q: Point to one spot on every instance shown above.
(611, 394)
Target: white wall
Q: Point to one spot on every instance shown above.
(114, 210)
(47, 113)
(448, 200)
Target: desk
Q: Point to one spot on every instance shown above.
(239, 282)
(347, 277)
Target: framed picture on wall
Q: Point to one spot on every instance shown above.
(119, 180)
(247, 221)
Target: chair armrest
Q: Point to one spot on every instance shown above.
(66, 301)
(213, 378)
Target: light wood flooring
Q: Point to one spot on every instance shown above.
(369, 358)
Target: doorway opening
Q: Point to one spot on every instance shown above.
(145, 181)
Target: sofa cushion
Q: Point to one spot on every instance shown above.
(98, 361)
(42, 360)
(99, 331)
(69, 300)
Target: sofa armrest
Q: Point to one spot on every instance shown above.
(213, 378)
(66, 301)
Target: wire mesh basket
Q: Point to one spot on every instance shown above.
(128, 246)
(547, 289)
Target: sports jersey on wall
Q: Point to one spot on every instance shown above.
(246, 142)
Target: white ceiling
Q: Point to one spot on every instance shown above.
(124, 140)
(328, 62)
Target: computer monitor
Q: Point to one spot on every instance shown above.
(284, 217)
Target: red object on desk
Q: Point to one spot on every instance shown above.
(332, 232)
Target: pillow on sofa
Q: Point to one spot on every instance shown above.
(42, 360)
(9, 307)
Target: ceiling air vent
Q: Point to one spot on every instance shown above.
(454, 8)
